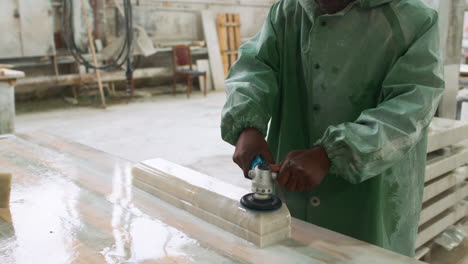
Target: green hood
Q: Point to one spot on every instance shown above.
(312, 11)
(308, 4)
(373, 3)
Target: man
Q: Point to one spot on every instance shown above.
(350, 88)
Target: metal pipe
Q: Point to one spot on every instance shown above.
(265, 3)
(76, 79)
(176, 9)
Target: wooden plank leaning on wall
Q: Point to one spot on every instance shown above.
(229, 39)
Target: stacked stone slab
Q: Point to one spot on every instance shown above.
(446, 184)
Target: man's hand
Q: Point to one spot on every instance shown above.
(304, 169)
(250, 144)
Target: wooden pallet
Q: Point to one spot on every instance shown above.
(446, 183)
(229, 38)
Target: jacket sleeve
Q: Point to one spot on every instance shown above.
(381, 136)
(252, 84)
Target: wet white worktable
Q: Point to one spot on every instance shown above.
(73, 204)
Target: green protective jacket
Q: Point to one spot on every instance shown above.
(363, 83)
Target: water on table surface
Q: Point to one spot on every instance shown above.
(73, 204)
(62, 211)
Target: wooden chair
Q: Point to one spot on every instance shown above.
(182, 56)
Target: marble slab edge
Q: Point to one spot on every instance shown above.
(212, 200)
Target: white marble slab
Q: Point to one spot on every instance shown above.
(445, 132)
(443, 201)
(212, 200)
(97, 216)
(7, 74)
(445, 182)
(439, 164)
(437, 225)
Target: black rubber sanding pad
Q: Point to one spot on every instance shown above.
(250, 202)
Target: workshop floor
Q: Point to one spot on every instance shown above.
(174, 128)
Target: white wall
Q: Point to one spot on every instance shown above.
(451, 15)
(181, 20)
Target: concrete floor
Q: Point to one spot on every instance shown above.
(174, 128)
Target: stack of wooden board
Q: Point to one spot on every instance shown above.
(445, 184)
(229, 38)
